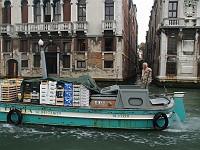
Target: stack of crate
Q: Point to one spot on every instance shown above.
(60, 96)
(77, 95)
(17, 82)
(52, 92)
(85, 96)
(8, 92)
(35, 97)
(44, 92)
(27, 93)
(81, 96)
(68, 99)
(18, 85)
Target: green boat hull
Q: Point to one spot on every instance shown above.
(86, 117)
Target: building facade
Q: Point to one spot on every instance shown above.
(173, 41)
(92, 37)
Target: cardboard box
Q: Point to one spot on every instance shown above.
(102, 103)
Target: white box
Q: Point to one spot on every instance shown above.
(44, 101)
(43, 87)
(76, 89)
(52, 82)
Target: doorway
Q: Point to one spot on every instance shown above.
(52, 57)
(12, 68)
(51, 63)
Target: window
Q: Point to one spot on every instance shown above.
(67, 47)
(81, 45)
(81, 10)
(171, 69)
(109, 10)
(35, 48)
(24, 10)
(37, 12)
(36, 62)
(135, 101)
(7, 47)
(66, 61)
(173, 6)
(24, 63)
(109, 44)
(7, 12)
(47, 11)
(24, 46)
(172, 46)
(108, 64)
(81, 64)
(57, 11)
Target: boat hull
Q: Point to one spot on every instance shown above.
(84, 117)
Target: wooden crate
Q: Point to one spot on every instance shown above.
(102, 103)
(8, 92)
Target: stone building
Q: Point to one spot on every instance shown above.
(173, 41)
(93, 37)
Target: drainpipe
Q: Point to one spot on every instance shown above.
(20, 64)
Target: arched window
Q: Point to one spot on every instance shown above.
(24, 11)
(57, 11)
(37, 11)
(7, 12)
(47, 11)
(109, 10)
(81, 10)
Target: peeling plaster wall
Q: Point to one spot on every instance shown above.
(95, 53)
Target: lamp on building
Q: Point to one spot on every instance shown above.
(43, 59)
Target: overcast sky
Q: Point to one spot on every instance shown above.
(143, 13)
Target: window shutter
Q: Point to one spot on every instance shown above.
(25, 12)
(9, 14)
(67, 10)
(3, 21)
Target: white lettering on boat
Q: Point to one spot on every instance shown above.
(44, 112)
(121, 115)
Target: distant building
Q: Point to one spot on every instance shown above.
(173, 41)
(93, 37)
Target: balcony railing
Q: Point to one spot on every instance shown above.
(109, 25)
(6, 28)
(44, 27)
(174, 22)
(80, 26)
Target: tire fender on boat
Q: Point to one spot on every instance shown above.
(19, 117)
(158, 116)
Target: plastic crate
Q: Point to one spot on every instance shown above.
(68, 87)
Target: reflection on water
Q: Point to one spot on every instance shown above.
(55, 138)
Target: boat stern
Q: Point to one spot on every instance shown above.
(179, 109)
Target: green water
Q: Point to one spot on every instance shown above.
(31, 137)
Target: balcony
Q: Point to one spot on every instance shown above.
(173, 22)
(108, 25)
(48, 27)
(6, 29)
(80, 26)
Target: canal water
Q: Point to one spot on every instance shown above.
(180, 137)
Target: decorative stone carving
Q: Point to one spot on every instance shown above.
(190, 7)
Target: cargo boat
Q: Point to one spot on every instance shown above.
(118, 107)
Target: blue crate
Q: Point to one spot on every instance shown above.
(68, 87)
(68, 102)
(68, 94)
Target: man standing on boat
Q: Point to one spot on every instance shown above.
(146, 76)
